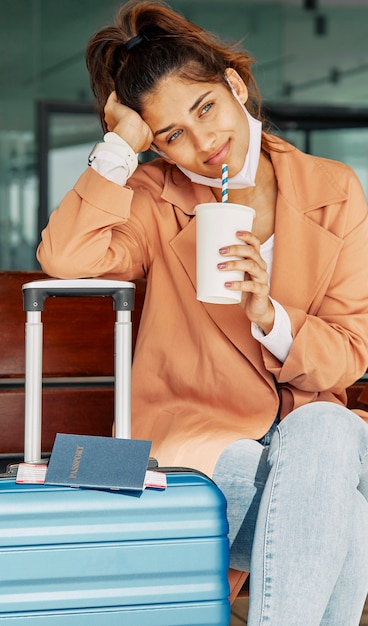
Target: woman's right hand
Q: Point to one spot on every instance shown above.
(126, 123)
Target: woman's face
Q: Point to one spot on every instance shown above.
(200, 126)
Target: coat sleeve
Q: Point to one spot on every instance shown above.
(330, 339)
(83, 236)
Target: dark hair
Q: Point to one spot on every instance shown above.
(149, 41)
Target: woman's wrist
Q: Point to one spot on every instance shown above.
(266, 322)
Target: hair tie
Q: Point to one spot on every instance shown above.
(134, 41)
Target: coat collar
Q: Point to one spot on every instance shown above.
(179, 191)
(303, 245)
(304, 180)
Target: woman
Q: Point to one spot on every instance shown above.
(253, 394)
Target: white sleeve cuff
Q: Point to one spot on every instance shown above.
(111, 166)
(114, 159)
(279, 340)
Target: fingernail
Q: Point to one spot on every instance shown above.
(223, 250)
(221, 266)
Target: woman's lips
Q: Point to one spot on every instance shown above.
(220, 155)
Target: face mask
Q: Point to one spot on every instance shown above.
(247, 175)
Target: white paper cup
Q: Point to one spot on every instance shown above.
(217, 224)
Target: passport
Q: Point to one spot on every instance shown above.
(98, 462)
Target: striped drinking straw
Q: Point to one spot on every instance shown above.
(225, 181)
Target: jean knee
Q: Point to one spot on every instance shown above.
(328, 434)
(324, 420)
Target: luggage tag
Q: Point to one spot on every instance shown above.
(31, 473)
(155, 480)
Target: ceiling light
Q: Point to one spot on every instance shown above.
(310, 5)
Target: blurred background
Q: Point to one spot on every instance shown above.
(311, 66)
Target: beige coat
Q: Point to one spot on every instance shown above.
(199, 378)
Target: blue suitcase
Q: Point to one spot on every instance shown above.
(81, 557)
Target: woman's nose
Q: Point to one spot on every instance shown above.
(204, 140)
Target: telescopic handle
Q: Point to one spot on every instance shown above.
(34, 295)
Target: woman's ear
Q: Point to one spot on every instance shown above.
(237, 84)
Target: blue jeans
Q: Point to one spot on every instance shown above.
(298, 517)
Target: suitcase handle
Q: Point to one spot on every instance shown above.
(35, 293)
(34, 296)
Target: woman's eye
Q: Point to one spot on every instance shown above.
(174, 136)
(206, 108)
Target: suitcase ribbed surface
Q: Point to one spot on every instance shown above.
(83, 557)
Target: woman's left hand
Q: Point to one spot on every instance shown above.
(255, 286)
